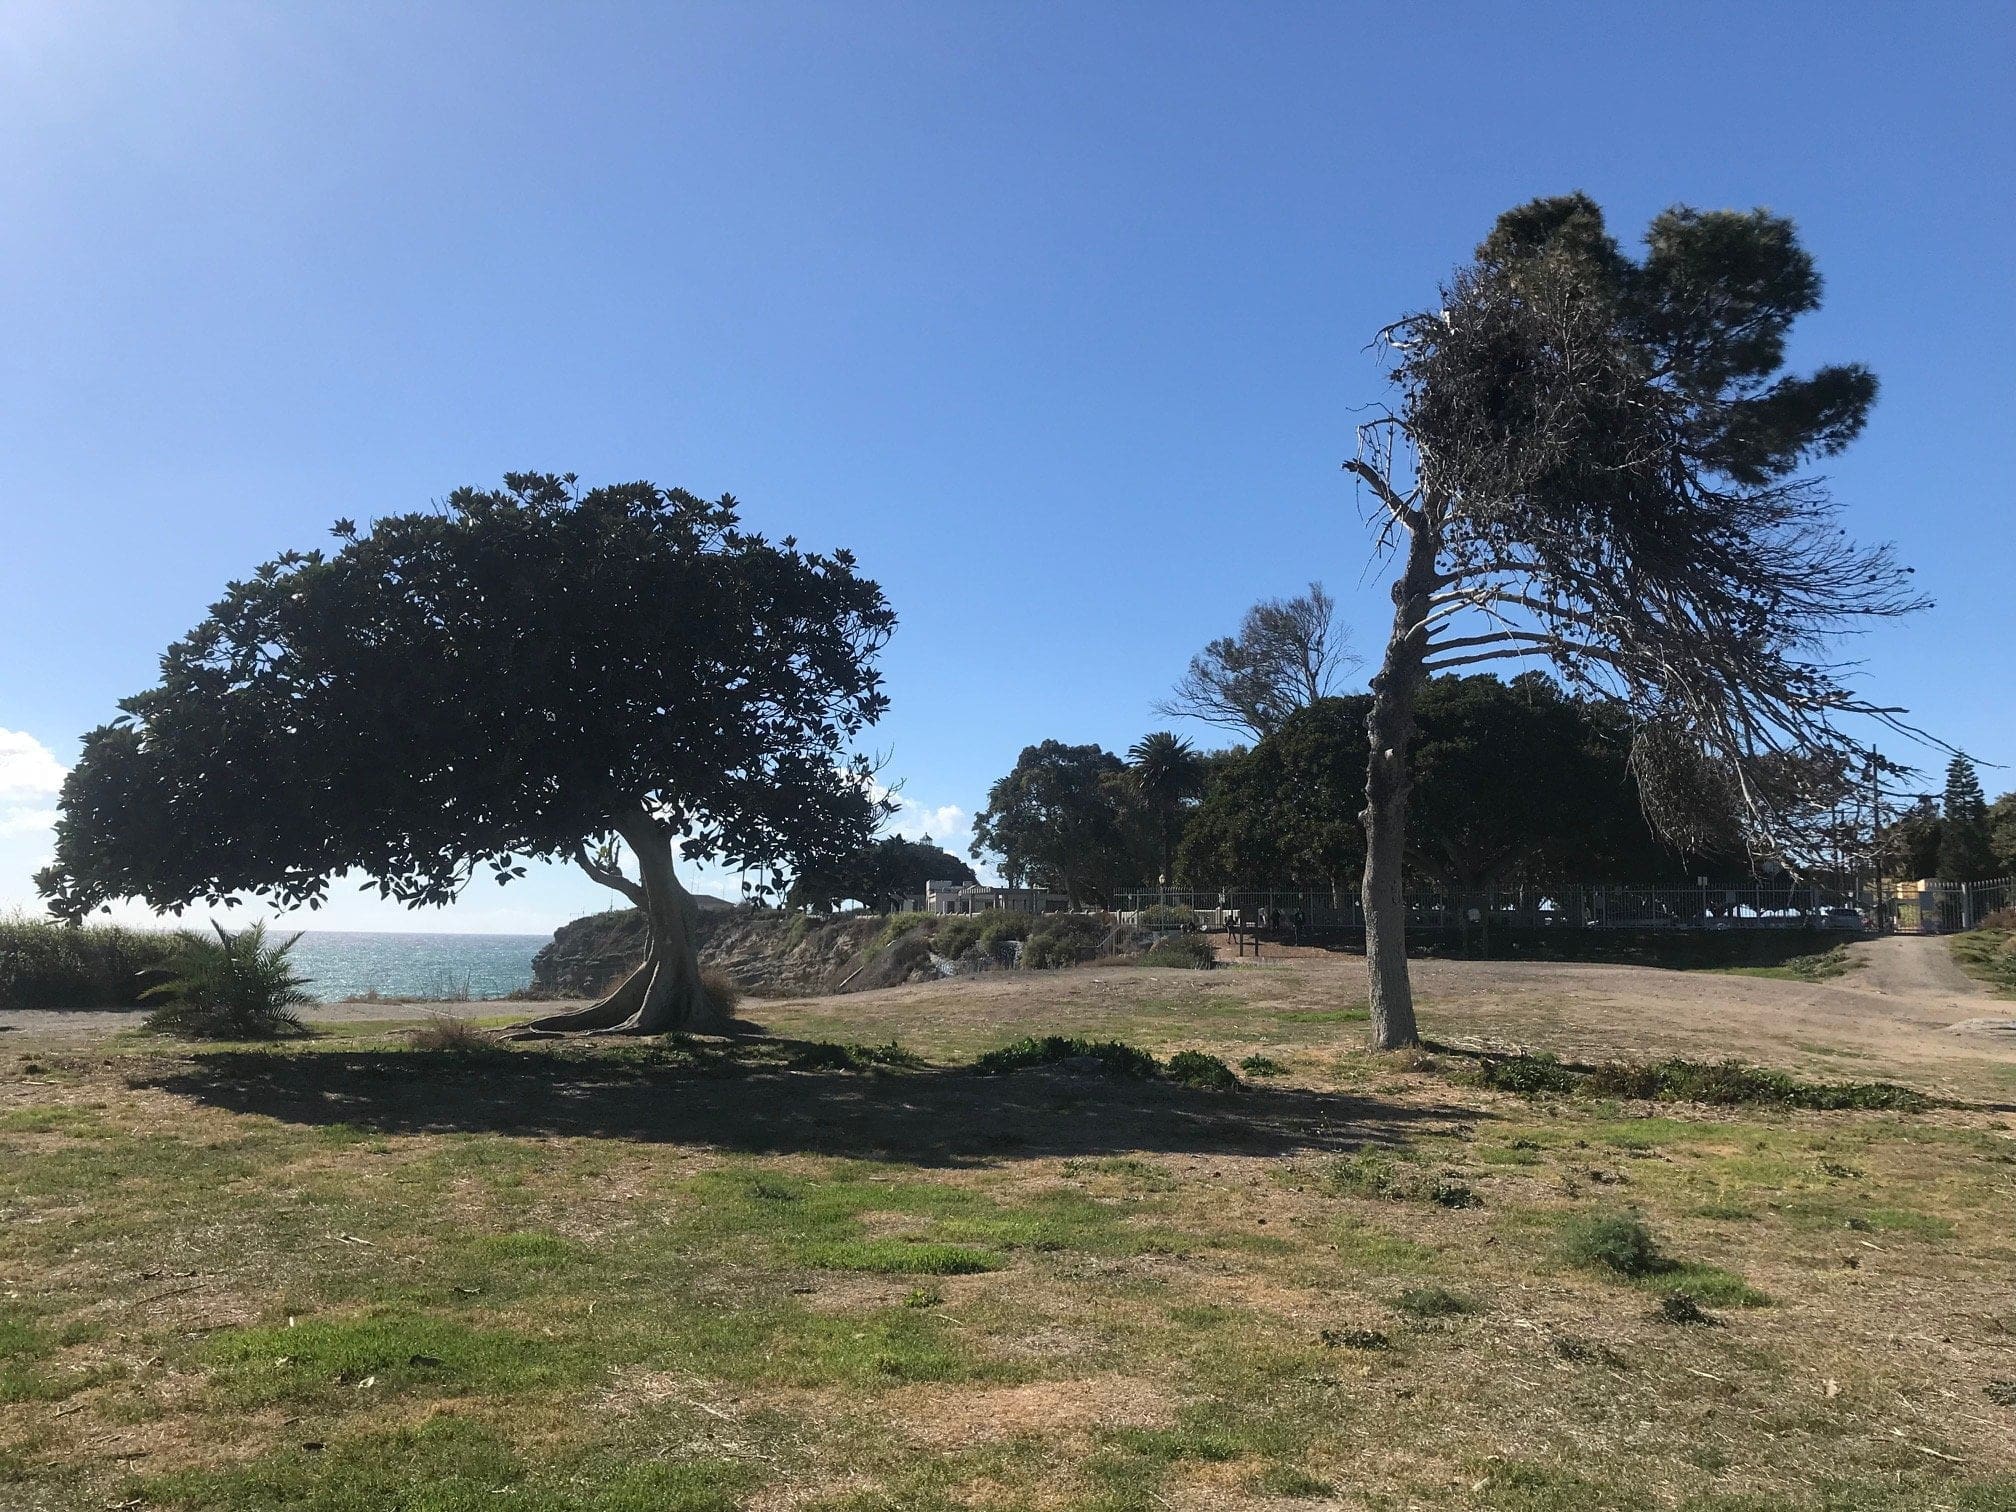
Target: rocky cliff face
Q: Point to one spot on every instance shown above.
(777, 954)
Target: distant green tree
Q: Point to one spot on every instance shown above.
(2002, 833)
(880, 875)
(1286, 812)
(1966, 849)
(1513, 783)
(1061, 820)
(530, 672)
(1167, 774)
(1909, 846)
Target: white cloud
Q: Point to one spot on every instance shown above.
(914, 821)
(27, 821)
(28, 768)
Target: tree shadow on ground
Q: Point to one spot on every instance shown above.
(777, 1099)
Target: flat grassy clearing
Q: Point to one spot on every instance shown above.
(1989, 955)
(348, 1274)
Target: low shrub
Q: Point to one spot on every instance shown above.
(900, 924)
(1065, 940)
(1196, 1069)
(236, 986)
(721, 990)
(1531, 1075)
(1616, 1242)
(828, 1055)
(1679, 1308)
(1262, 1065)
(1115, 1057)
(999, 926)
(49, 965)
(1166, 916)
(1731, 1083)
(955, 936)
(443, 1033)
(1185, 952)
(1722, 1083)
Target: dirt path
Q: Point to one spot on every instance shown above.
(1914, 968)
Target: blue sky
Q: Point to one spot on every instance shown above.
(1055, 314)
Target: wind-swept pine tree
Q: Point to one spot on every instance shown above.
(1596, 460)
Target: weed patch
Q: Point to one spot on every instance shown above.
(1113, 1057)
(1193, 1068)
(1718, 1083)
(1184, 952)
(1370, 1173)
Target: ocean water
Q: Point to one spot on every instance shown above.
(341, 964)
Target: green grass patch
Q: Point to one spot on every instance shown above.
(1990, 955)
(449, 1464)
(1620, 1245)
(393, 1350)
(1819, 967)
(900, 1257)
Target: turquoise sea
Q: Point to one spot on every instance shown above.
(340, 964)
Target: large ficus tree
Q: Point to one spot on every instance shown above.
(1596, 459)
(531, 672)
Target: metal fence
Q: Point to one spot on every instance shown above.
(1944, 907)
(1758, 906)
(1904, 908)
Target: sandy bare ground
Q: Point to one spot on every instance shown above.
(1906, 1011)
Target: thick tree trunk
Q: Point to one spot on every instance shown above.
(664, 994)
(1390, 728)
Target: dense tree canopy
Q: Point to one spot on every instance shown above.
(880, 875)
(1286, 812)
(1595, 459)
(1066, 818)
(1513, 783)
(535, 671)
(2002, 834)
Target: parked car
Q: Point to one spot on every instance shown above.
(1844, 918)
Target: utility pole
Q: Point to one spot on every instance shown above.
(1876, 831)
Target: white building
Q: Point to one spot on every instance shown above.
(972, 898)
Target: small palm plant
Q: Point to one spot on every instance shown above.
(237, 986)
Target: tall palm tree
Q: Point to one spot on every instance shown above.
(1166, 770)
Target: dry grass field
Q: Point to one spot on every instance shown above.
(351, 1274)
